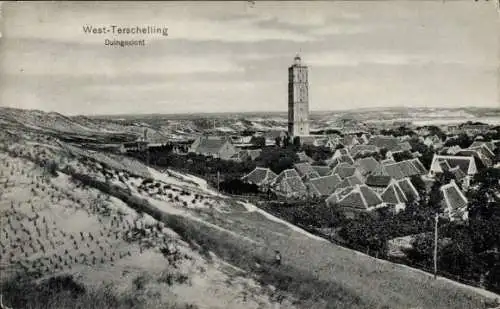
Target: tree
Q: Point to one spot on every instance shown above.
(402, 156)
(433, 130)
(259, 141)
(435, 197)
(296, 142)
(317, 153)
(426, 152)
(236, 186)
(463, 141)
(383, 152)
(483, 195)
(419, 184)
(277, 159)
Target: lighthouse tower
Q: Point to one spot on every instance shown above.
(298, 98)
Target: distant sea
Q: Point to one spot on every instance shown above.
(442, 121)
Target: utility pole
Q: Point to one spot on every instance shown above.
(435, 244)
(218, 181)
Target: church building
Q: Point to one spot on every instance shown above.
(298, 99)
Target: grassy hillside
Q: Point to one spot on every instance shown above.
(57, 232)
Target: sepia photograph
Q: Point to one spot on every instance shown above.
(250, 154)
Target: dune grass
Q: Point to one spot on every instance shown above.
(63, 292)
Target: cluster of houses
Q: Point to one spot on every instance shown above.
(355, 181)
(365, 174)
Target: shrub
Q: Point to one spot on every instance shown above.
(141, 281)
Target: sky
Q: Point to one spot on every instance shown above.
(233, 56)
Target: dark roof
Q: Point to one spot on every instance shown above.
(454, 200)
(370, 196)
(326, 185)
(393, 194)
(378, 181)
(400, 170)
(420, 167)
(286, 174)
(341, 159)
(367, 165)
(360, 197)
(491, 145)
(342, 151)
(387, 142)
(306, 169)
(273, 134)
(462, 162)
(363, 149)
(485, 151)
(350, 140)
(344, 170)
(296, 185)
(408, 189)
(353, 180)
(211, 144)
(322, 170)
(260, 176)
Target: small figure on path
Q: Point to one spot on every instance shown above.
(277, 258)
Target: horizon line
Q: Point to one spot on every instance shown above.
(257, 111)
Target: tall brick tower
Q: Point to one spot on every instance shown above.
(298, 99)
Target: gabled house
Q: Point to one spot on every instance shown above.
(394, 196)
(450, 150)
(289, 186)
(334, 161)
(363, 150)
(378, 183)
(137, 146)
(314, 140)
(480, 157)
(271, 136)
(350, 140)
(262, 177)
(454, 202)
(385, 142)
(360, 199)
(214, 146)
(287, 174)
(337, 195)
(399, 170)
(366, 165)
(243, 140)
(467, 166)
(491, 145)
(434, 141)
(345, 170)
(402, 146)
(305, 170)
(303, 157)
(324, 186)
(240, 156)
(351, 181)
(399, 192)
(339, 153)
(322, 170)
(411, 193)
(365, 137)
